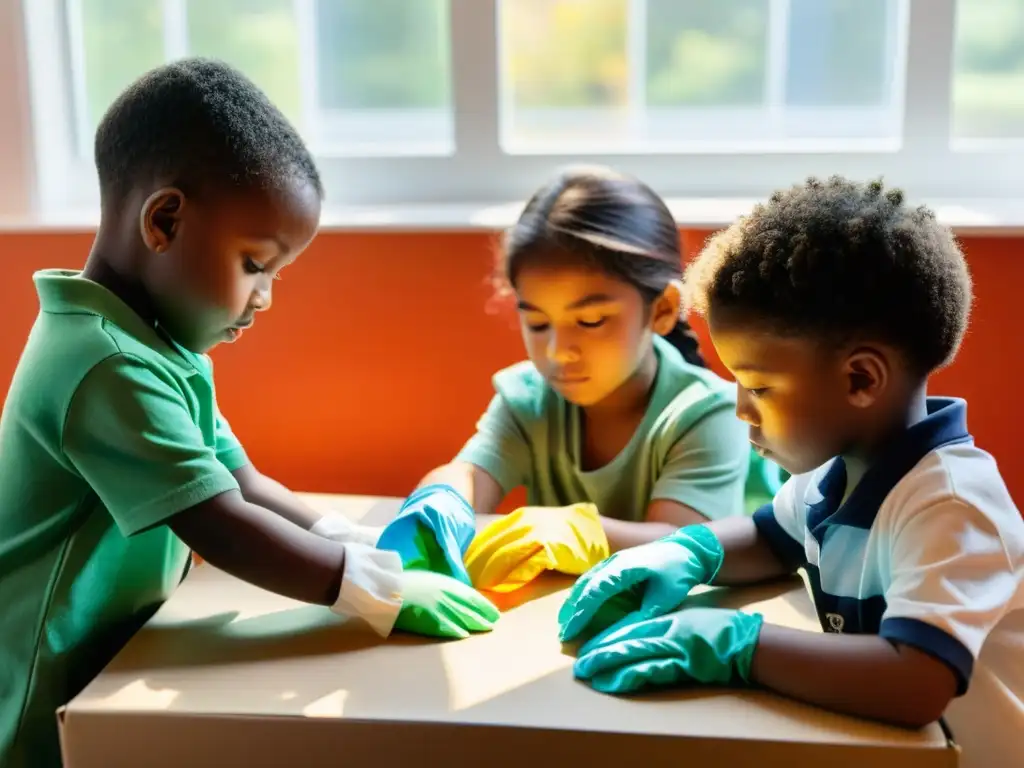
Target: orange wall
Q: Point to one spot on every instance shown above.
(376, 359)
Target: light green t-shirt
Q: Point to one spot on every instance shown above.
(109, 429)
(689, 447)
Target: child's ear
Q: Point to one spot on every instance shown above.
(161, 217)
(867, 373)
(667, 309)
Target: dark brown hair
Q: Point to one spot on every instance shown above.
(607, 220)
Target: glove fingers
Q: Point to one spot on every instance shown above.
(465, 616)
(493, 537)
(600, 587)
(480, 605)
(447, 624)
(628, 651)
(636, 677)
(430, 622)
(471, 600)
(458, 615)
(634, 626)
(509, 567)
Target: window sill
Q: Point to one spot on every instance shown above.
(993, 217)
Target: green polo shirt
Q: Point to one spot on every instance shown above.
(108, 430)
(689, 447)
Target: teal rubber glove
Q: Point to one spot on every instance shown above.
(432, 531)
(439, 606)
(655, 577)
(709, 646)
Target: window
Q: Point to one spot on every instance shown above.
(988, 83)
(654, 75)
(477, 101)
(357, 76)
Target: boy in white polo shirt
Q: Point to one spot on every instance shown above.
(831, 305)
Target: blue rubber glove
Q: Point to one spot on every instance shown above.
(709, 646)
(655, 577)
(432, 531)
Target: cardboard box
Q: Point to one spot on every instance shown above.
(226, 674)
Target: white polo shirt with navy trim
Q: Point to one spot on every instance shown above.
(928, 550)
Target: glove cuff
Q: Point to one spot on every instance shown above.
(748, 628)
(371, 588)
(589, 523)
(704, 545)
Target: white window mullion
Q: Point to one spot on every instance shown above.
(927, 90)
(309, 73)
(476, 73)
(77, 75)
(59, 179)
(636, 67)
(175, 18)
(777, 65)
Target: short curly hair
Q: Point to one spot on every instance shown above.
(841, 260)
(197, 121)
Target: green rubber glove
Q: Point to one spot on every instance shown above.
(709, 646)
(658, 577)
(437, 605)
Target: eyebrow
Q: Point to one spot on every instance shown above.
(587, 301)
(752, 368)
(281, 245)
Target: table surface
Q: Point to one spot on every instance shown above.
(220, 646)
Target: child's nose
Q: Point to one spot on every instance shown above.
(745, 410)
(263, 299)
(561, 350)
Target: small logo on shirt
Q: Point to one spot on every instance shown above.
(835, 622)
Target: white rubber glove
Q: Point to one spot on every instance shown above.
(339, 528)
(372, 587)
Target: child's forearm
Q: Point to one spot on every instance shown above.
(862, 675)
(266, 492)
(474, 484)
(748, 558)
(662, 518)
(623, 534)
(262, 548)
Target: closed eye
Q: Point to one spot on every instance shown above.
(592, 324)
(757, 391)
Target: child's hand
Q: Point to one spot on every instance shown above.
(696, 645)
(518, 547)
(659, 576)
(432, 531)
(439, 606)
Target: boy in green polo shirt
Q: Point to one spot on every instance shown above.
(116, 460)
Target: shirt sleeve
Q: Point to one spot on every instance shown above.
(130, 434)
(783, 523)
(227, 447)
(952, 581)
(499, 446)
(705, 469)
(228, 450)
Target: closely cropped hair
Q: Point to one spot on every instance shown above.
(610, 221)
(197, 121)
(841, 260)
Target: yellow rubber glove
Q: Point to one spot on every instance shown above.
(516, 549)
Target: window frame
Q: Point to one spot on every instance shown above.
(925, 158)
